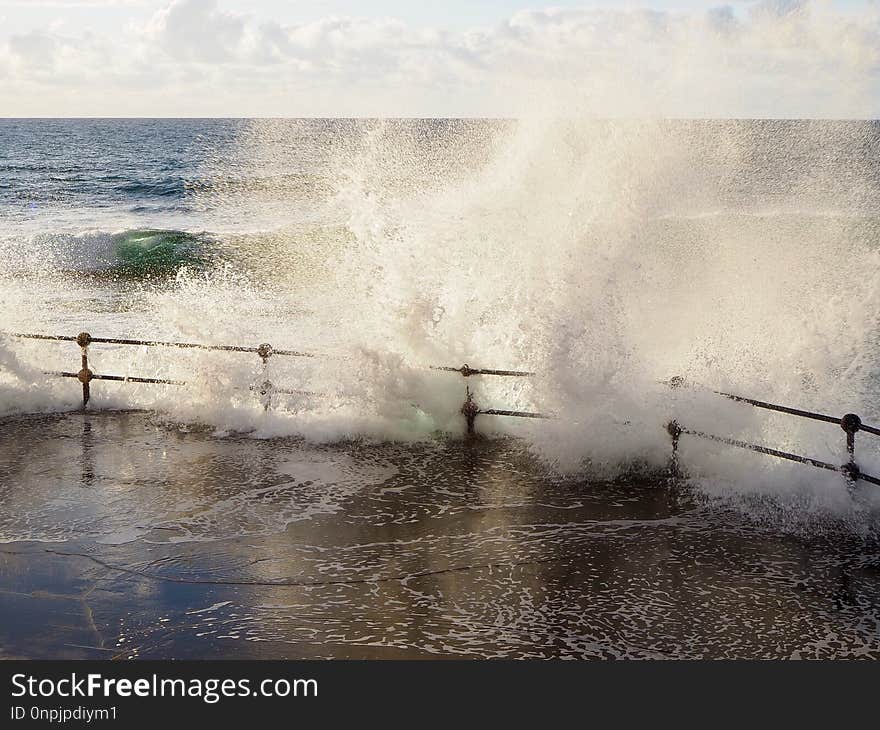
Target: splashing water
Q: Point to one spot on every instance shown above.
(606, 256)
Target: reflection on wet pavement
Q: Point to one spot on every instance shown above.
(125, 538)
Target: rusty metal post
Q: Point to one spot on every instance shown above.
(676, 382)
(84, 339)
(470, 410)
(674, 430)
(851, 425)
(265, 352)
(266, 388)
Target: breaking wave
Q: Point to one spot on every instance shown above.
(604, 256)
(140, 253)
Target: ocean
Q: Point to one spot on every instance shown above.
(341, 510)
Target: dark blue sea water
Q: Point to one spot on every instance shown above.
(77, 174)
(81, 169)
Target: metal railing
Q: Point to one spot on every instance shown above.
(850, 423)
(85, 375)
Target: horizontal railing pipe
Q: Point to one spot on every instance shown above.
(849, 470)
(162, 343)
(117, 378)
(678, 382)
(761, 449)
(513, 414)
(869, 429)
(468, 372)
(850, 423)
(780, 409)
(26, 336)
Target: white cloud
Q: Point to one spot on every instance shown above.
(197, 30)
(69, 3)
(34, 50)
(66, 4)
(782, 58)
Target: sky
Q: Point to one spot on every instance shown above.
(306, 58)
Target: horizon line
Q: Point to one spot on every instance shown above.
(435, 118)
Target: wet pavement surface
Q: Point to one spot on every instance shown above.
(123, 537)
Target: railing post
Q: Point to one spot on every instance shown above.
(470, 410)
(266, 388)
(676, 382)
(674, 431)
(84, 339)
(851, 425)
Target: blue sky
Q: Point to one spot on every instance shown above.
(398, 58)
